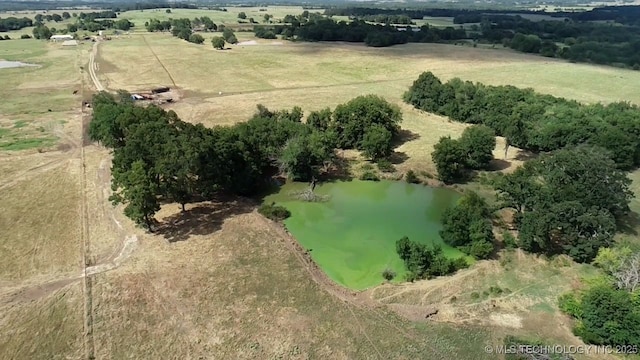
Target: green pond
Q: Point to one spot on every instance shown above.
(352, 234)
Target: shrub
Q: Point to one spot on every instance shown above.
(274, 212)
(475, 295)
(411, 177)
(386, 166)
(388, 274)
(25, 36)
(369, 176)
(569, 304)
(509, 240)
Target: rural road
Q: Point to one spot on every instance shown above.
(93, 67)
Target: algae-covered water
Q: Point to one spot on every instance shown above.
(352, 235)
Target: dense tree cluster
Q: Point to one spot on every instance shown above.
(42, 32)
(326, 29)
(424, 262)
(468, 227)
(567, 202)
(533, 121)
(182, 28)
(13, 23)
(199, 23)
(474, 150)
(157, 157)
(264, 32)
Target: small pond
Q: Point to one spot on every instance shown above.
(352, 234)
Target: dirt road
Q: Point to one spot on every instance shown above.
(93, 67)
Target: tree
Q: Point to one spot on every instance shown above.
(41, 32)
(320, 120)
(196, 39)
(352, 119)
(425, 93)
(467, 226)
(65, 15)
(609, 317)
(449, 158)
(217, 42)
(168, 11)
(56, 17)
(267, 17)
(123, 24)
(136, 189)
(478, 142)
(425, 262)
(376, 143)
(229, 36)
(242, 15)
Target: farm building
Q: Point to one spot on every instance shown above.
(70, 43)
(57, 38)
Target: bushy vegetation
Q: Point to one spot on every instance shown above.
(411, 177)
(474, 150)
(566, 202)
(274, 212)
(424, 262)
(607, 312)
(468, 227)
(157, 157)
(533, 121)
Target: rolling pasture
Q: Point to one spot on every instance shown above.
(221, 281)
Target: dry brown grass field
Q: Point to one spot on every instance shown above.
(220, 281)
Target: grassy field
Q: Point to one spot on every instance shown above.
(39, 106)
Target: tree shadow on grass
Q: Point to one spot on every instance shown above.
(404, 136)
(629, 223)
(398, 157)
(202, 219)
(525, 155)
(498, 165)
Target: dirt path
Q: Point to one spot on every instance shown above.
(93, 67)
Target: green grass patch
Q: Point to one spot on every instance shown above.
(19, 124)
(24, 144)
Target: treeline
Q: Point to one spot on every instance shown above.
(388, 19)
(533, 121)
(183, 28)
(152, 5)
(629, 14)
(159, 158)
(371, 34)
(13, 23)
(580, 41)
